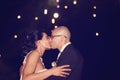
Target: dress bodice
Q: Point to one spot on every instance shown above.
(24, 62)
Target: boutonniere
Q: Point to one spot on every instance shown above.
(53, 64)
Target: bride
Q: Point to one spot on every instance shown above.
(33, 67)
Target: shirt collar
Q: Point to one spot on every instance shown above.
(65, 46)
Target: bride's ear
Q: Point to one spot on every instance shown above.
(44, 35)
(37, 42)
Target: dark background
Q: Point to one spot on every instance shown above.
(101, 54)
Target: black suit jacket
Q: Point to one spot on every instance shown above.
(72, 57)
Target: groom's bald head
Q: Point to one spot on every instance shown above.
(62, 30)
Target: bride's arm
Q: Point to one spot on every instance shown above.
(30, 65)
(21, 69)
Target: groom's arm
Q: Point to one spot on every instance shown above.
(56, 78)
(68, 61)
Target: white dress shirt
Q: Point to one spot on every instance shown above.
(63, 49)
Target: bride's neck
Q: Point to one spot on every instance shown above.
(40, 50)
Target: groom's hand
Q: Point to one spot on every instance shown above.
(61, 71)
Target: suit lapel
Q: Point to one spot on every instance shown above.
(63, 54)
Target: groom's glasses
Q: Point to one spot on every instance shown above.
(58, 36)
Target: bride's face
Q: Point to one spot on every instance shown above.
(46, 41)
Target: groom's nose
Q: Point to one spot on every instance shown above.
(49, 38)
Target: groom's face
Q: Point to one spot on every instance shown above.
(56, 39)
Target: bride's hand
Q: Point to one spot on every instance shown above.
(62, 71)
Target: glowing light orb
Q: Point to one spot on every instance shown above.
(45, 11)
(74, 2)
(55, 26)
(58, 6)
(53, 21)
(97, 34)
(55, 15)
(94, 7)
(15, 36)
(18, 17)
(66, 7)
(94, 15)
(36, 18)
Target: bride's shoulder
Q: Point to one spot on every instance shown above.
(33, 53)
(28, 56)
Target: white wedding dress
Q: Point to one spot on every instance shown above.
(24, 62)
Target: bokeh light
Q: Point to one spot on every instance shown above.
(66, 7)
(45, 11)
(55, 26)
(57, 1)
(36, 18)
(18, 17)
(97, 34)
(58, 6)
(94, 15)
(55, 15)
(0, 56)
(15, 36)
(53, 21)
(74, 2)
(94, 7)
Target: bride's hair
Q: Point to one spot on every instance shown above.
(29, 42)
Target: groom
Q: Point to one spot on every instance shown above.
(60, 39)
